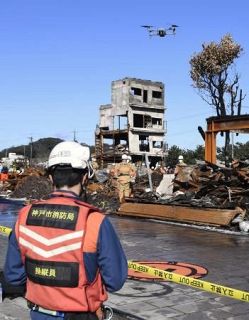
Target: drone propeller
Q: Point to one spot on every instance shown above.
(146, 26)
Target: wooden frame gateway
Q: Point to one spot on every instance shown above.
(222, 124)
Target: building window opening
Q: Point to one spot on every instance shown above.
(122, 146)
(107, 147)
(142, 121)
(156, 94)
(145, 96)
(120, 122)
(157, 144)
(136, 91)
(147, 121)
(138, 120)
(119, 145)
(156, 122)
(144, 143)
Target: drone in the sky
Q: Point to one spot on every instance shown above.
(161, 32)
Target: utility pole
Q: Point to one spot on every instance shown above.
(74, 136)
(232, 136)
(148, 171)
(31, 150)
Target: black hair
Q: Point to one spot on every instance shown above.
(66, 176)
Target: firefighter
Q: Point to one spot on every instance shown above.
(125, 173)
(4, 173)
(181, 160)
(65, 250)
(179, 165)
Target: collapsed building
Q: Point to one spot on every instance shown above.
(133, 122)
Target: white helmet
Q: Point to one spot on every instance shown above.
(180, 157)
(124, 157)
(70, 153)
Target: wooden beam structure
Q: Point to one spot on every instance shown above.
(180, 213)
(222, 124)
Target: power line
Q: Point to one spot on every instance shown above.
(188, 116)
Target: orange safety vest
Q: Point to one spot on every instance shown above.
(51, 237)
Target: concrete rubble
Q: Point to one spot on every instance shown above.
(204, 185)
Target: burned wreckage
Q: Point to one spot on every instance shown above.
(202, 194)
(209, 194)
(133, 122)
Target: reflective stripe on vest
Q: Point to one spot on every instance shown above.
(49, 242)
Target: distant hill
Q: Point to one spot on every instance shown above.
(40, 149)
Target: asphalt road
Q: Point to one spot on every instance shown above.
(223, 256)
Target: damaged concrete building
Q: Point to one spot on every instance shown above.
(133, 122)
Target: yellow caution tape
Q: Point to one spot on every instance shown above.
(174, 277)
(188, 281)
(5, 230)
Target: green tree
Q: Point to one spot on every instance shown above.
(199, 152)
(240, 152)
(214, 76)
(172, 157)
(189, 156)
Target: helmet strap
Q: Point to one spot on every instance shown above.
(83, 194)
(83, 185)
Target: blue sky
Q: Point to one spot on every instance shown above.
(59, 57)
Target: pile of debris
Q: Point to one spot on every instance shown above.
(33, 184)
(15, 178)
(33, 187)
(214, 186)
(203, 185)
(103, 195)
(30, 184)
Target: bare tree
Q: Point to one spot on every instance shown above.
(214, 76)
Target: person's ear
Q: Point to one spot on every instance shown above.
(52, 181)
